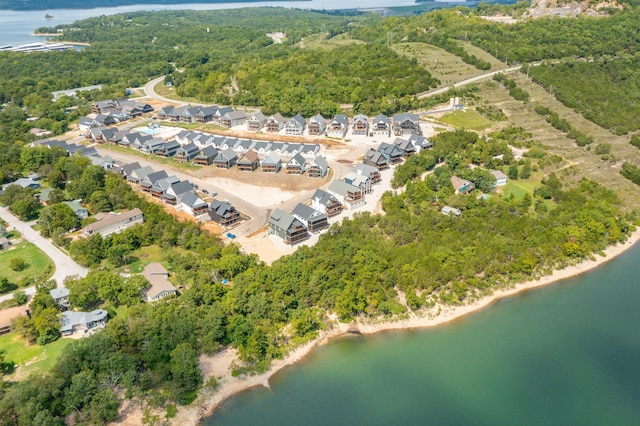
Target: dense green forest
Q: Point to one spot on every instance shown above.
(613, 103)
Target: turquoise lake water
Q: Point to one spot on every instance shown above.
(565, 354)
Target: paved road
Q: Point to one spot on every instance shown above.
(151, 93)
(65, 266)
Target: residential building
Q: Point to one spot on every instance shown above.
(186, 153)
(150, 180)
(256, 121)
(192, 204)
(233, 118)
(295, 126)
(318, 168)
(81, 212)
(376, 159)
(226, 159)
(462, 186)
(249, 161)
(72, 322)
(136, 176)
(272, 163)
(317, 125)
(338, 127)
(392, 152)
(361, 181)
(112, 223)
(349, 195)
(406, 123)
(360, 125)
(287, 227)
(162, 185)
(223, 213)
(174, 193)
(314, 220)
(381, 126)
(168, 149)
(501, 178)
(159, 284)
(296, 165)
(326, 203)
(275, 123)
(206, 156)
(61, 296)
(451, 211)
(369, 171)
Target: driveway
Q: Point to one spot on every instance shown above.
(65, 266)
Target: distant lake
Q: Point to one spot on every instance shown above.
(16, 27)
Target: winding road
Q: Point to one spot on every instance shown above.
(65, 266)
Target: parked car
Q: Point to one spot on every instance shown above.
(204, 191)
(230, 235)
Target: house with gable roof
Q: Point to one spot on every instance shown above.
(161, 186)
(275, 123)
(256, 121)
(262, 148)
(361, 181)
(392, 152)
(159, 284)
(360, 125)
(287, 227)
(223, 213)
(349, 195)
(186, 153)
(272, 163)
(152, 146)
(112, 223)
(326, 203)
(226, 159)
(136, 176)
(309, 150)
(128, 168)
(233, 118)
(206, 156)
(248, 161)
(61, 296)
(338, 127)
(149, 180)
(174, 193)
(375, 159)
(462, 186)
(318, 168)
(168, 149)
(295, 126)
(405, 146)
(317, 125)
(296, 166)
(314, 220)
(406, 123)
(381, 125)
(72, 322)
(369, 171)
(420, 142)
(192, 204)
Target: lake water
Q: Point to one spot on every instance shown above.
(566, 354)
(16, 27)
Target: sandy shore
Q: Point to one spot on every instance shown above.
(219, 365)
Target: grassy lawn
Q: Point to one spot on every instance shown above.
(37, 358)
(441, 64)
(170, 92)
(141, 258)
(469, 119)
(38, 262)
(162, 160)
(320, 41)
